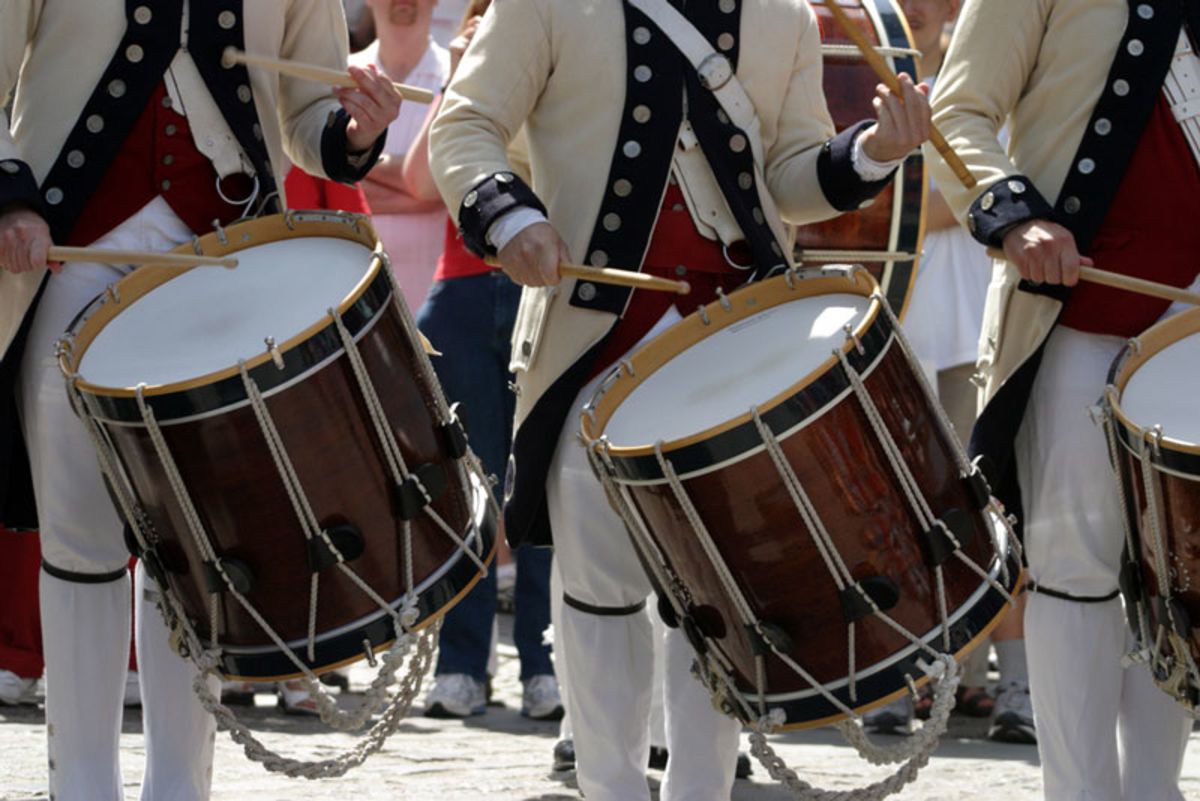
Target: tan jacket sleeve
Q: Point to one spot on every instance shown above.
(503, 73)
(18, 21)
(803, 127)
(315, 32)
(991, 58)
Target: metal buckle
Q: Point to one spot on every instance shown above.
(714, 71)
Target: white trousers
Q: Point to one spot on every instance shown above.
(85, 626)
(1105, 733)
(609, 658)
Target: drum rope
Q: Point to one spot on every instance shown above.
(395, 458)
(389, 722)
(1114, 455)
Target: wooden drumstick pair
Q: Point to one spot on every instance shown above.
(964, 175)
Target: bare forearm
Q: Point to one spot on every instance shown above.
(938, 216)
(385, 199)
(418, 177)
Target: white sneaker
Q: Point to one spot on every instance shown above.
(455, 695)
(1013, 719)
(893, 718)
(15, 690)
(133, 690)
(540, 699)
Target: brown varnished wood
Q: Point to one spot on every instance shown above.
(841, 465)
(233, 482)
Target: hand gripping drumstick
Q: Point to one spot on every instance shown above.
(312, 72)
(1126, 282)
(141, 258)
(893, 83)
(607, 275)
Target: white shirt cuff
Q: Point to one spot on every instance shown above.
(868, 168)
(504, 229)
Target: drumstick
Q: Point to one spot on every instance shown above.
(893, 83)
(607, 275)
(142, 258)
(298, 69)
(1127, 282)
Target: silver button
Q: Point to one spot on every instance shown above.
(1087, 166)
(587, 291)
(165, 185)
(745, 180)
(642, 73)
(987, 201)
(722, 116)
(612, 222)
(727, 6)
(1145, 11)
(95, 123)
(1016, 187)
(1121, 87)
(758, 216)
(641, 34)
(680, 270)
(1102, 126)
(641, 114)
(134, 53)
(631, 149)
(142, 15)
(1071, 205)
(227, 19)
(244, 94)
(170, 129)
(526, 347)
(10, 167)
(726, 41)
(599, 258)
(166, 101)
(622, 188)
(54, 196)
(168, 160)
(504, 177)
(1135, 47)
(257, 131)
(470, 198)
(116, 88)
(76, 159)
(737, 143)
(677, 207)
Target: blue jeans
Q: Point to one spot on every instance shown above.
(470, 321)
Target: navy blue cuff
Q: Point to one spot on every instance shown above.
(843, 187)
(335, 151)
(1006, 204)
(488, 201)
(18, 186)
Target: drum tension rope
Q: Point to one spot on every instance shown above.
(856, 598)
(341, 543)
(420, 488)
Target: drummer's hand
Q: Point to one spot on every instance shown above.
(24, 241)
(903, 121)
(531, 258)
(372, 106)
(1044, 253)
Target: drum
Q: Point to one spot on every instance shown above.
(1154, 439)
(885, 235)
(277, 442)
(797, 494)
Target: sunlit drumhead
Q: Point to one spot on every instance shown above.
(1163, 389)
(206, 319)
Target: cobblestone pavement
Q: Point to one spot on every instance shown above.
(505, 757)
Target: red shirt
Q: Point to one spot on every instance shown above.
(1152, 230)
(159, 158)
(306, 191)
(456, 261)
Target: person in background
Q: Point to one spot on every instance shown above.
(20, 625)
(1101, 168)
(469, 317)
(411, 227)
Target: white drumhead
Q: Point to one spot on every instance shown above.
(1164, 389)
(208, 318)
(742, 365)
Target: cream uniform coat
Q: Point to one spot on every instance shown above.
(52, 52)
(562, 69)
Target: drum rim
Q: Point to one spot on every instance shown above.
(649, 357)
(1136, 353)
(230, 241)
